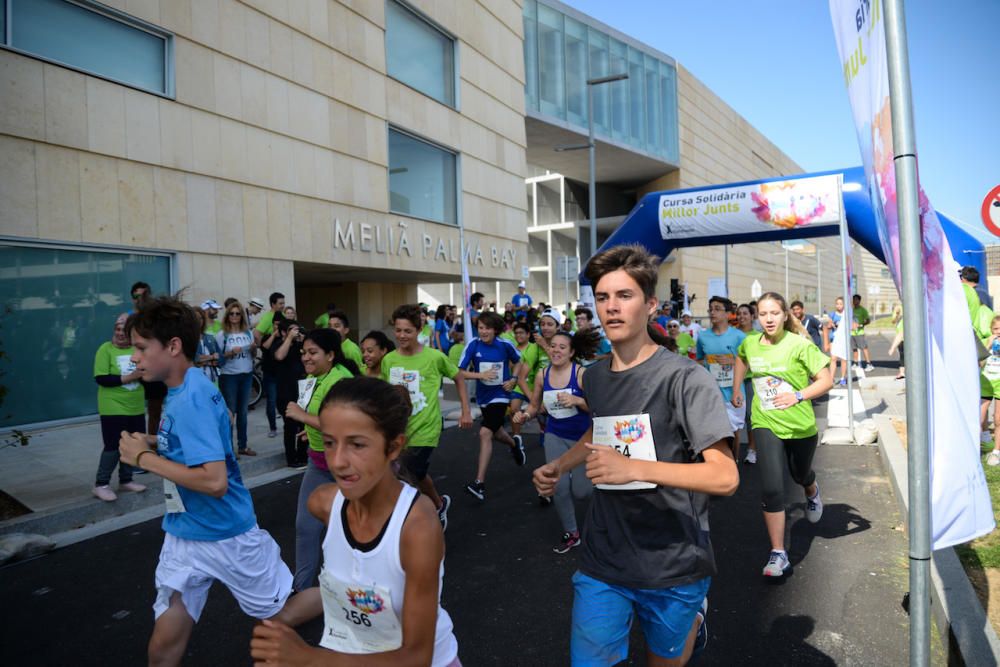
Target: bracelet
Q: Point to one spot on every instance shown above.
(139, 457)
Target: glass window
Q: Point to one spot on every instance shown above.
(636, 83)
(84, 38)
(576, 72)
(619, 91)
(599, 68)
(531, 54)
(654, 119)
(668, 107)
(551, 67)
(422, 179)
(3, 22)
(419, 54)
(59, 306)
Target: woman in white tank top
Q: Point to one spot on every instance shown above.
(383, 554)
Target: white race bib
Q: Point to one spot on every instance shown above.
(126, 366)
(631, 435)
(991, 371)
(306, 389)
(410, 380)
(721, 366)
(172, 497)
(359, 618)
(767, 389)
(486, 366)
(551, 400)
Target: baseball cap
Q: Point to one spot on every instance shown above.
(554, 314)
(521, 284)
(256, 301)
(210, 304)
(686, 312)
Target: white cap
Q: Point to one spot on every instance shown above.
(256, 301)
(210, 304)
(521, 284)
(554, 314)
(686, 313)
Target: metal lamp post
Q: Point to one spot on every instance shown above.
(591, 148)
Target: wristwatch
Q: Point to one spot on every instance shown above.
(798, 396)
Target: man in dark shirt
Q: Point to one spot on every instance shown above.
(813, 326)
(659, 445)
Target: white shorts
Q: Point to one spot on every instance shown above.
(737, 415)
(249, 565)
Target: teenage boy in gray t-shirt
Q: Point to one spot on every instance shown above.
(659, 444)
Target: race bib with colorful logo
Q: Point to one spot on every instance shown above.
(359, 617)
(630, 435)
(410, 380)
(486, 367)
(767, 389)
(306, 389)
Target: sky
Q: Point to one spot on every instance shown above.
(775, 62)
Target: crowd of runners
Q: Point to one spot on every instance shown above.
(642, 415)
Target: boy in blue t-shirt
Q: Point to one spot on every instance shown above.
(716, 350)
(495, 362)
(210, 525)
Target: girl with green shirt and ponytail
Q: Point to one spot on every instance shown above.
(325, 365)
(787, 371)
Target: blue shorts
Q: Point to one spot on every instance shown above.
(602, 618)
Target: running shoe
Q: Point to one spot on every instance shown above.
(855, 367)
(443, 511)
(701, 638)
(993, 459)
(777, 564)
(751, 456)
(105, 493)
(568, 541)
(869, 368)
(247, 452)
(134, 487)
(272, 433)
(517, 451)
(842, 382)
(814, 507)
(476, 488)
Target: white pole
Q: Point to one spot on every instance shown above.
(787, 294)
(819, 282)
(848, 317)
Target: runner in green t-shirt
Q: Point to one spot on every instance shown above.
(529, 357)
(989, 390)
(787, 372)
(420, 370)
(342, 325)
(122, 407)
(325, 365)
(858, 339)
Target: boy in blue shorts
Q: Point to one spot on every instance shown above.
(210, 525)
(658, 446)
(495, 364)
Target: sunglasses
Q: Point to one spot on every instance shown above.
(235, 312)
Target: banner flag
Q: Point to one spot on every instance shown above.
(960, 501)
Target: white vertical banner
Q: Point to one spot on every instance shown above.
(960, 501)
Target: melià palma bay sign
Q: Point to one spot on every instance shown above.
(396, 239)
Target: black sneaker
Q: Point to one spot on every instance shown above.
(517, 451)
(544, 501)
(443, 511)
(476, 488)
(568, 541)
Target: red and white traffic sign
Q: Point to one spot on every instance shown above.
(991, 211)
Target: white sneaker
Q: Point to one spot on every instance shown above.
(105, 493)
(134, 487)
(751, 456)
(814, 505)
(777, 563)
(855, 367)
(869, 368)
(993, 459)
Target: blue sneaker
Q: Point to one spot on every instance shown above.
(842, 382)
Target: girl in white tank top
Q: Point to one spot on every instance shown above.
(383, 542)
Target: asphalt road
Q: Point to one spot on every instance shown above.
(509, 595)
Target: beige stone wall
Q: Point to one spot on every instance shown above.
(278, 130)
(717, 145)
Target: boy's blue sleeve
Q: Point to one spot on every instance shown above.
(198, 433)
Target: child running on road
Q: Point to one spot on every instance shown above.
(210, 525)
(419, 369)
(383, 554)
(989, 390)
(716, 348)
(658, 445)
(559, 389)
(497, 363)
(787, 372)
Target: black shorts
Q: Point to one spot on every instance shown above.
(493, 416)
(414, 462)
(155, 390)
